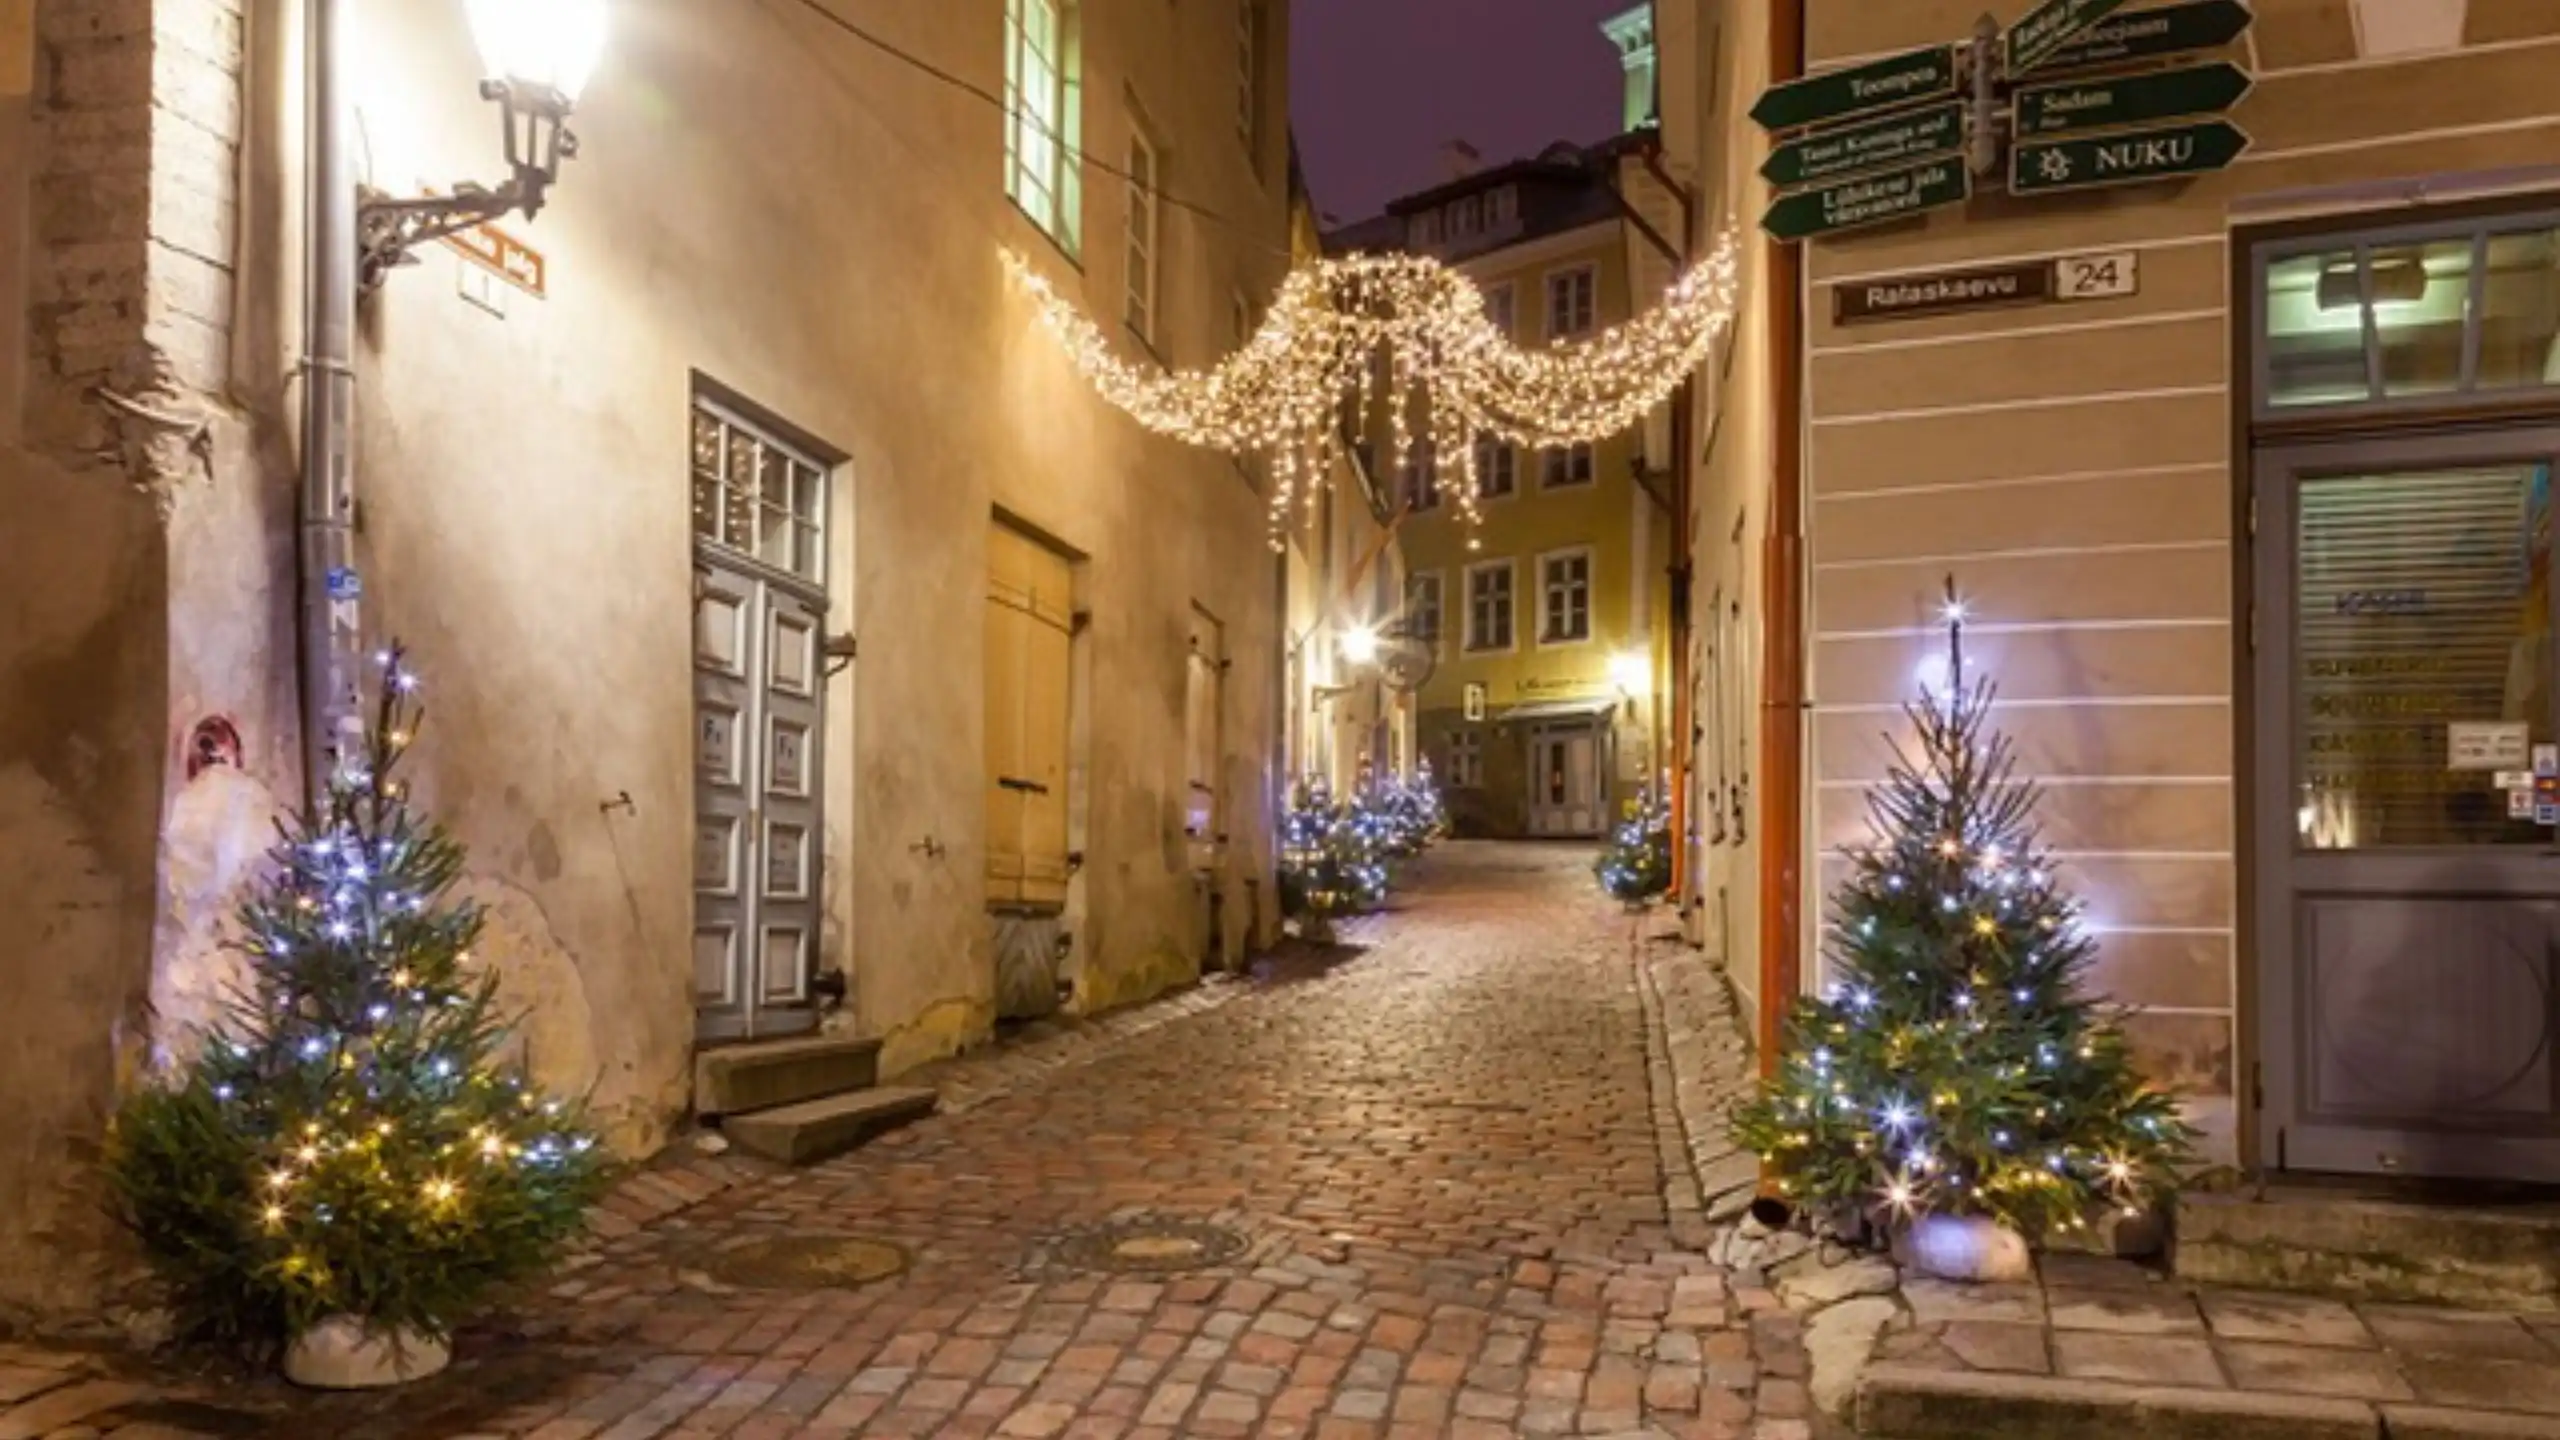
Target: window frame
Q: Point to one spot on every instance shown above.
(1547, 594)
(1419, 481)
(1414, 608)
(1473, 642)
(732, 424)
(1508, 319)
(1465, 753)
(1142, 307)
(1061, 179)
(1588, 274)
(1496, 455)
(1556, 467)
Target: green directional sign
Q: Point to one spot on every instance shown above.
(2154, 34)
(1894, 140)
(2112, 101)
(1878, 85)
(1869, 200)
(2050, 26)
(2044, 167)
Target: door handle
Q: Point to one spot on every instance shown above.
(1027, 787)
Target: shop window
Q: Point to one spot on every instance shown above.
(2411, 317)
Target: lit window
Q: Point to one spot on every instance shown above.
(1043, 98)
(1568, 467)
(1144, 185)
(1564, 598)
(756, 496)
(1422, 610)
(1572, 302)
(1497, 469)
(1421, 478)
(1489, 606)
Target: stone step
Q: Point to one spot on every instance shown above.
(759, 1075)
(2356, 1246)
(1900, 1402)
(813, 1130)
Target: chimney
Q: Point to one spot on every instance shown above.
(1460, 159)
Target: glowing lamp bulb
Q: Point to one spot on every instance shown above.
(1360, 645)
(540, 45)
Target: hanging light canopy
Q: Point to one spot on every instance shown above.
(1406, 333)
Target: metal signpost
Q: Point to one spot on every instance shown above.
(1869, 199)
(2045, 167)
(2047, 28)
(2153, 35)
(1925, 74)
(2110, 103)
(1894, 140)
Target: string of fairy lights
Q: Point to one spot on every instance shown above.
(1410, 337)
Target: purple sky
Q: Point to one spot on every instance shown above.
(1380, 85)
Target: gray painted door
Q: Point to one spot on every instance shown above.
(2407, 918)
(1565, 793)
(758, 673)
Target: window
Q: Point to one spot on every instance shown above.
(1564, 598)
(1424, 230)
(758, 497)
(1497, 469)
(1144, 187)
(1489, 606)
(1572, 302)
(1043, 139)
(1421, 478)
(1501, 208)
(2433, 314)
(1030, 622)
(1466, 760)
(1249, 75)
(1466, 217)
(1422, 610)
(1501, 307)
(1567, 468)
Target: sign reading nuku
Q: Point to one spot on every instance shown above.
(1878, 85)
(2042, 167)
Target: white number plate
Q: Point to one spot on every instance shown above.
(2097, 277)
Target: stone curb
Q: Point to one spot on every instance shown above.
(1901, 1402)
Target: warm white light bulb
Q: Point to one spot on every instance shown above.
(549, 44)
(1360, 645)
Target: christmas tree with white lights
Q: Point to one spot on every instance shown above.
(1954, 1064)
(349, 1142)
(1332, 858)
(1635, 866)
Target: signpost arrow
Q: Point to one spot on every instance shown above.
(1893, 140)
(2105, 103)
(1869, 200)
(2046, 167)
(1927, 74)
(2048, 27)
(2152, 34)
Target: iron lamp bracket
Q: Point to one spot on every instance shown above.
(389, 229)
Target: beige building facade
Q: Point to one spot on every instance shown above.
(789, 607)
(2255, 542)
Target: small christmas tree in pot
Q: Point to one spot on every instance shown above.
(1635, 866)
(347, 1167)
(1330, 864)
(1955, 1085)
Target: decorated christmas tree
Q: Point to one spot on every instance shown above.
(1415, 815)
(1331, 858)
(1954, 1064)
(348, 1143)
(1635, 866)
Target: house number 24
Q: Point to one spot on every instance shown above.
(2097, 277)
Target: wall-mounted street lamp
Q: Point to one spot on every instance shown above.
(535, 57)
(1360, 645)
(1631, 671)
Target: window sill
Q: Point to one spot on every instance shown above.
(1064, 250)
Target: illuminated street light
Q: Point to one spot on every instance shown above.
(1631, 673)
(1360, 645)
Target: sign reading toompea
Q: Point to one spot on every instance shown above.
(1879, 85)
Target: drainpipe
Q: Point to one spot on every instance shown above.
(332, 640)
(1782, 611)
(1683, 568)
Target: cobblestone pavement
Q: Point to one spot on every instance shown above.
(1446, 1153)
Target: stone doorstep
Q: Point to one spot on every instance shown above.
(2363, 1248)
(760, 1075)
(1902, 1402)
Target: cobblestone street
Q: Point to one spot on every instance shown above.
(1440, 1160)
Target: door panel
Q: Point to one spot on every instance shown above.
(1045, 726)
(1029, 651)
(2408, 913)
(758, 675)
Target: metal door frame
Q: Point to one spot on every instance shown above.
(2288, 1140)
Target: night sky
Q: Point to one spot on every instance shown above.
(1380, 85)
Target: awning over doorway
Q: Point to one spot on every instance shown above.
(1584, 707)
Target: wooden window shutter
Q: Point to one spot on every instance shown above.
(1029, 638)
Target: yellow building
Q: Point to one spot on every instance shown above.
(1546, 621)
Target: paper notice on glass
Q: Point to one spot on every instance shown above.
(2488, 744)
(2519, 804)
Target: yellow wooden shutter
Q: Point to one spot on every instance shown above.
(1029, 629)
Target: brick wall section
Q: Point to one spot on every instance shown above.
(137, 126)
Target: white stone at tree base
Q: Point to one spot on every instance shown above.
(1838, 1341)
(1972, 1248)
(345, 1353)
(1809, 1284)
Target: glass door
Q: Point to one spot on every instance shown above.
(2408, 790)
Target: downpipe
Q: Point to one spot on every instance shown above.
(331, 590)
